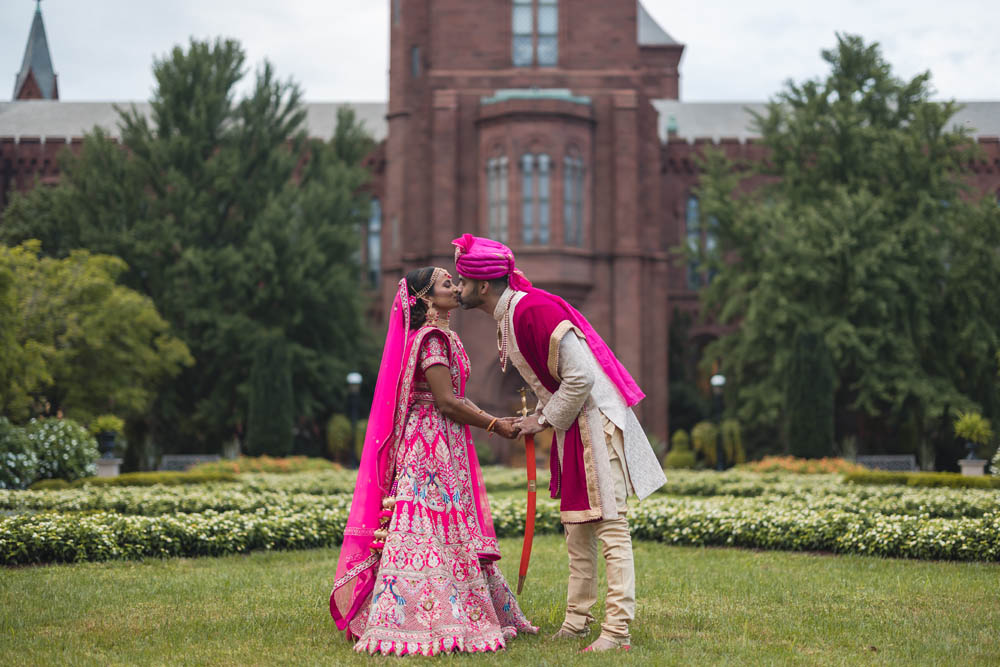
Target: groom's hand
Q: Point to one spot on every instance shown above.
(506, 428)
(529, 425)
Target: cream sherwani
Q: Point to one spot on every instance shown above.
(623, 461)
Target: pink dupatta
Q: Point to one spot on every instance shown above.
(357, 563)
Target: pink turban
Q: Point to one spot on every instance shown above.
(485, 259)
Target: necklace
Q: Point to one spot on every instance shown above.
(503, 332)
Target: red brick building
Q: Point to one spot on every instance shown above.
(553, 126)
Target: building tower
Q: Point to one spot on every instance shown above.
(530, 121)
(37, 78)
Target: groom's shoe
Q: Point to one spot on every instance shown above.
(566, 633)
(606, 643)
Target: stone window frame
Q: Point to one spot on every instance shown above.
(574, 196)
(536, 169)
(498, 195)
(699, 237)
(373, 243)
(534, 33)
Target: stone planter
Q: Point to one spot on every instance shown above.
(108, 467)
(973, 467)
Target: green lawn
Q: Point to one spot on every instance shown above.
(696, 606)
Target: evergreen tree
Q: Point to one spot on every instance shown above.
(235, 224)
(865, 235)
(271, 414)
(809, 397)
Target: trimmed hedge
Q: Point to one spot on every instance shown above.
(923, 479)
(754, 523)
(165, 478)
(270, 464)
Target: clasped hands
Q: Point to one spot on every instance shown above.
(512, 427)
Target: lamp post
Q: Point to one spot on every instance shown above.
(718, 383)
(353, 389)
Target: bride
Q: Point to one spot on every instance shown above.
(417, 572)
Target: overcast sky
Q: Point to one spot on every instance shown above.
(337, 49)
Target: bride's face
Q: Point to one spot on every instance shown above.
(444, 294)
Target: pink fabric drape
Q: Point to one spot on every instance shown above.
(356, 564)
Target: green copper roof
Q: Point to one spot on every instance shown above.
(564, 94)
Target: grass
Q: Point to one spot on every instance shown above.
(696, 606)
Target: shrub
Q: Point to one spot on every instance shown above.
(18, 460)
(65, 449)
(679, 458)
(271, 409)
(732, 442)
(50, 485)
(248, 464)
(107, 424)
(680, 454)
(799, 466)
(338, 439)
(703, 437)
(165, 478)
(810, 385)
(359, 438)
(923, 479)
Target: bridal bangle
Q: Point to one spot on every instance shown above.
(489, 429)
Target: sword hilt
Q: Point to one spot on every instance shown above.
(524, 401)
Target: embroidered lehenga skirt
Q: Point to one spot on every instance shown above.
(438, 588)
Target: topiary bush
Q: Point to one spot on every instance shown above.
(338, 439)
(65, 449)
(732, 442)
(703, 437)
(18, 460)
(359, 438)
(680, 454)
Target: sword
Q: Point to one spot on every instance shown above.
(529, 518)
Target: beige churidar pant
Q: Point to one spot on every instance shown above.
(616, 541)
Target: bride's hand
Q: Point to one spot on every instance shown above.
(505, 428)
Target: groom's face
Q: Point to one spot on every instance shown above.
(472, 291)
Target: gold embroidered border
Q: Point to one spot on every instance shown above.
(590, 469)
(554, 340)
(580, 516)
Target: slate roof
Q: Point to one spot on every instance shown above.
(717, 120)
(44, 118)
(649, 32)
(693, 120)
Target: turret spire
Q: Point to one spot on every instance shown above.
(37, 78)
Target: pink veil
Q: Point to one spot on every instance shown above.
(356, 565)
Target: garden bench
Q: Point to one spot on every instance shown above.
(185, 461)
(902, 462)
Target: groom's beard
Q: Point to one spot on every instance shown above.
(472, 302)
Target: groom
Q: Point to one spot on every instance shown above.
(601, 454)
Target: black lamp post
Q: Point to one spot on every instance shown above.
(353, 388)
(718, 383)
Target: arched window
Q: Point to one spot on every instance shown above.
(692, 221)
(535, 29)
(496, 197)
(573, 200)
(375, 243)
(536, 171)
